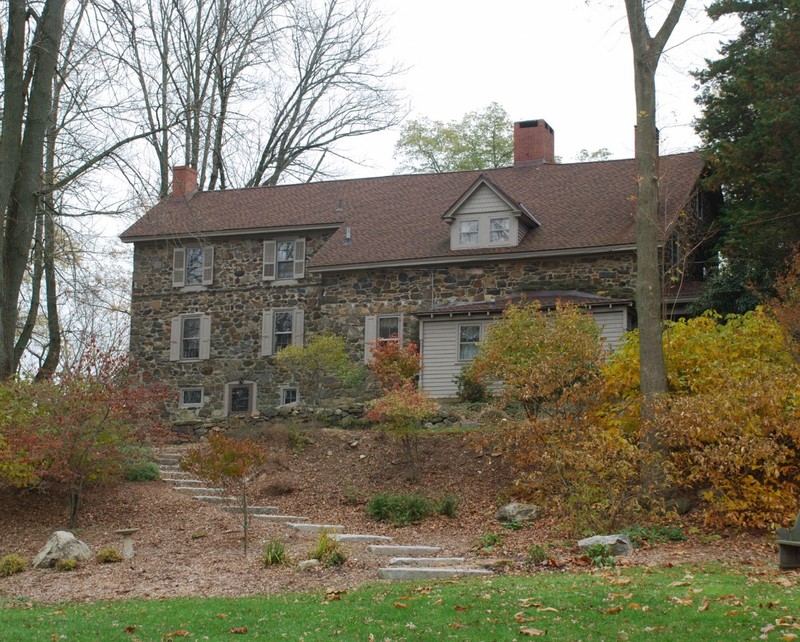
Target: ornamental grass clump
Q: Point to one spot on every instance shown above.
(12, 564)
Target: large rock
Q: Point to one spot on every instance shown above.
(617, 544)
(517, 512)
(61, 545)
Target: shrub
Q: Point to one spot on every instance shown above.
(489, 541)
(142, 472)
(274, 553)
(640, 535)
(536, 554)
(469, 389)
(600, 555)
(108, 555)
(66, 565)
(448, 505)
(12, 564)
(232, 464)
(328, 551)
(401, 413)
(399, 509)
(394, 364)
(298, 440)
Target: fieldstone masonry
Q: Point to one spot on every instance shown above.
(336, 302)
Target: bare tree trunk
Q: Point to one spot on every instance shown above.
(48, 368)
(36, 286)
(647, 52)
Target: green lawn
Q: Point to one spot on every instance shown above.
(689, 603)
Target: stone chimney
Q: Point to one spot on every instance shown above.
(534, 143)
(184, 181)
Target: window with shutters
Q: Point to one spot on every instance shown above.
(190, 337)
(280, 328)
(381, 327)
(192, 266)
(284, 260)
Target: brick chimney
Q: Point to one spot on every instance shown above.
(184, 181)
(534, 143)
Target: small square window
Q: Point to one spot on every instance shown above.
(468, 233)
(498, 230)
(468, 337)
(191, 397)
(288, 395)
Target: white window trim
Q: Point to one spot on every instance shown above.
(253, 398)
(183, 404)
(283, 391)
(482, 327)
(269, 268)
(179, 267)
(371, 331)
(484, 231)
(176, 338)
(268, 329)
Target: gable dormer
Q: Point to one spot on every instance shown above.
(486, 217)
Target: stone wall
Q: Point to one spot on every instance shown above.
(332, 302)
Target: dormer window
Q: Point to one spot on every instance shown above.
(486, 217)
(468, 234)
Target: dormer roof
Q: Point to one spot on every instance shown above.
(518, 209)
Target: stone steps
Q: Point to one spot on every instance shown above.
(405, 573)
(215, 499)
(202, 490)
(185, 481)
(280, 518)
(426, 562)
(316, 528)
(358, 538)
(252, 510)
(397, 550)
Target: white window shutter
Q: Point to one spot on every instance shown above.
(297, 326)
(208, 265)
(400, 329)
(266, 332)
(269, 261)
(178, 267)
(205, 337)
(175, 339)
(299, 258)
(370, 335)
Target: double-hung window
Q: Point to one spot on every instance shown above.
(381, 327)
(192, 265)
(284, 259)
(499, 230)
(280, 328)
(468, 232)
(469, 334)
(190, 337)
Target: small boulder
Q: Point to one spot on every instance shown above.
(618, 544)
(61, 545)
(305, 565)
(517, 512)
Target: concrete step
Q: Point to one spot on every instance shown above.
(252, 510)
(280, 518)
(178, 481)
(317, 528)
(396, 550)
(215, 499)
(201, 490)
(168, 460)
(355, 538)
(426, 561)
(403, 573)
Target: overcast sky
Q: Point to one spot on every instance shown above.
(567, 61)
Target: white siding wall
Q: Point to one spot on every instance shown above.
(440, 346)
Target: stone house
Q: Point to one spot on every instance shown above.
(223, 280)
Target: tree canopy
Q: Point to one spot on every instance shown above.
(480, 140)
(751, 108)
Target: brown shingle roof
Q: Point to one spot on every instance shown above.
(398, 218)
(548, 299)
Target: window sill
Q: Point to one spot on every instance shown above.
(191, 288)
(282, 282)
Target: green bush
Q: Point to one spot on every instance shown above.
(142, 471)
(448, 505)
(640, 535)
(536, 554)
(274, 553)
(600, 555)
(489, 541)
(399, 509)
(469, 389)
(109, 555)
(12, 564)
(66, 565)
